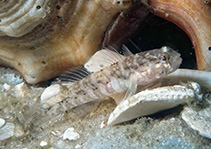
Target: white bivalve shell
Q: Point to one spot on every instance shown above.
(19, 17)
(151, 101)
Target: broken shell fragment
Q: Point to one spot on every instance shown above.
(198, 120)
(68, 34)
(2, 122)
(151, 101)
(50, 92)
(194, 17)
(70, 134)
(7, 131)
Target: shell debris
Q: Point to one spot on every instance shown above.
(2, 122)
(7, 131)
(49, 92)
(43, 143)
(198, 120)
(6, 87)
(70, 134)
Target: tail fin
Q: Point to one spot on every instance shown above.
(37, 118)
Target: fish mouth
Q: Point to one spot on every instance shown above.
(176, 63)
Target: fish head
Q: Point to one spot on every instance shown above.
(159, 62)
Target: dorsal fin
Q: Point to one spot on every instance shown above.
(126, 51)
(72, 75)
(106, 57)
(135, 45)
(102, 59)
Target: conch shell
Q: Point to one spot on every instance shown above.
(42, 39)
(194, 17)
(20, 17)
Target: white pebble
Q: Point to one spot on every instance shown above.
(50, 92)
(78, 146)
(2, 122)
(103, 124)
(6, 87)
(70, 134)
(43, 143)
(7, 131)
(19, 89)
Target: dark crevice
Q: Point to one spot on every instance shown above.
(158, 32)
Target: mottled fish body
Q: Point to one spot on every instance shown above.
(124, 74)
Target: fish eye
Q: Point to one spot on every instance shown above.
(164, 58)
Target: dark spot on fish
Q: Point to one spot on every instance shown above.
(209, 48)
(112, 74)
(99, 81)
(162, 72)
(101, 65)
(75, 97)
(66, 111)
(92, 85)
(135, 67)
(79, 92)
(124, 77)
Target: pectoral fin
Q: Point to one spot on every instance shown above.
(132, 87)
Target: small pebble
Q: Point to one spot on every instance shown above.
(78, 146)
(19, 89)
(103, 124)
(7, 131)
(50, 92)
(70, 134)
(43, 143)
(2, 122)
(6, 87)
(18, 131)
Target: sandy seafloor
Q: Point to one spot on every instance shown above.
(163, 130)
